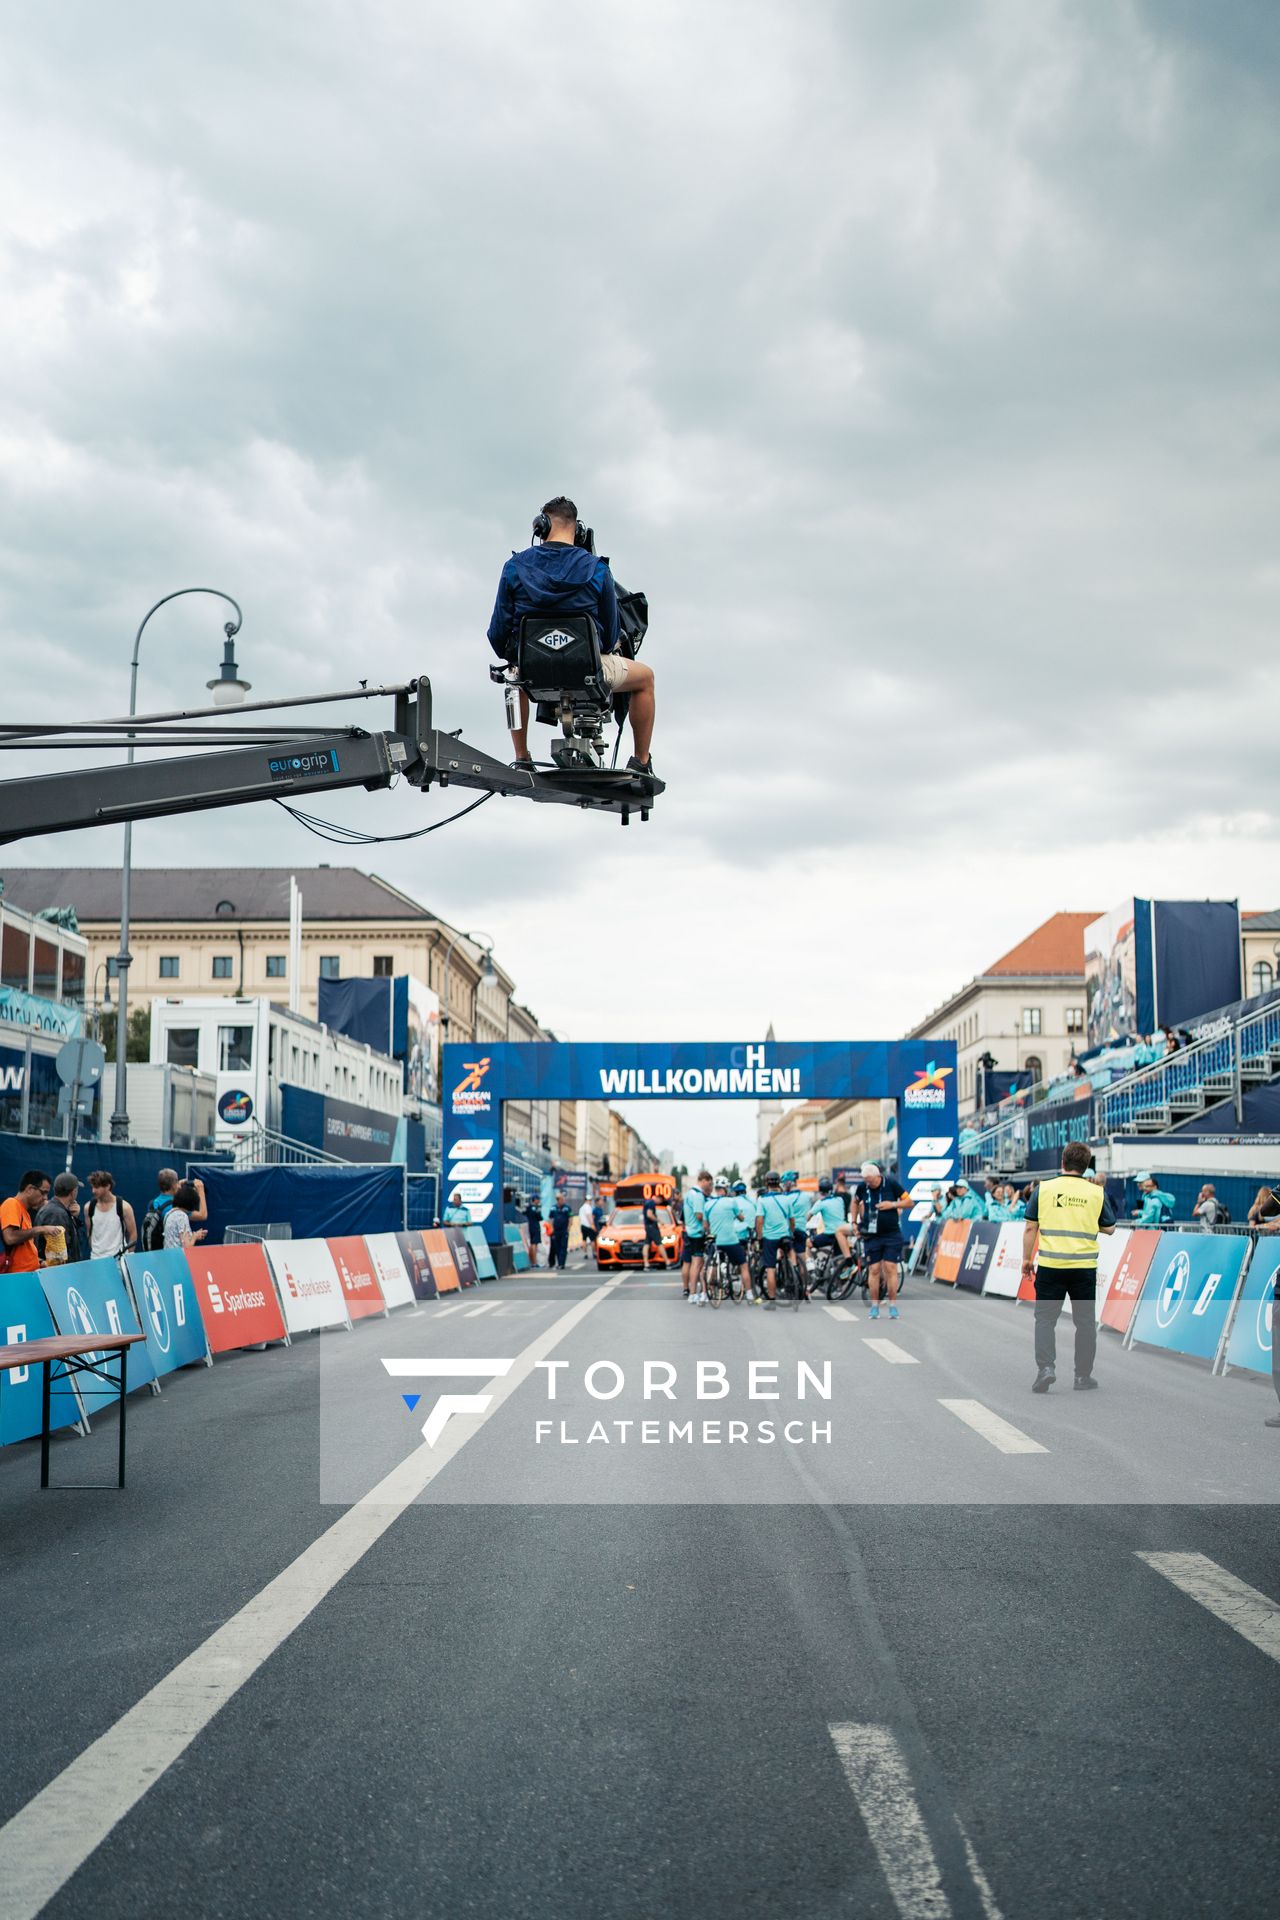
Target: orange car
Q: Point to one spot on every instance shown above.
(620, 1242)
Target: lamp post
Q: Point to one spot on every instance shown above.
(485, 942)
(98, 1007)
(228, 690)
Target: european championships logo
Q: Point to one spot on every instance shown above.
(469, 1096)
(929, 1088)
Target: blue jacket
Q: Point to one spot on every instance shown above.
(551, 580)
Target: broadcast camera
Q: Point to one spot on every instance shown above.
(558, 666)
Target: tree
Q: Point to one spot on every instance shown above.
(138, 1051)
(764, 1161)
(730, 1174)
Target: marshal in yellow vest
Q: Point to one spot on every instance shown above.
(1069, 1209)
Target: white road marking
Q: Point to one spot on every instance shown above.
(54, 1834)
(1002, 1436)
(416, 1314)
(486, 1306)
(880, 1780)
(837, 1313)
(891, 1351)
(1254, 1617)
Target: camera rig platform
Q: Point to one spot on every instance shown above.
(276, 762)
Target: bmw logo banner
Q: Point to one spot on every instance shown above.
(25, 1315)
(1190, 1286)
(92, 1296)
(1252, 1342)
(168, 1309)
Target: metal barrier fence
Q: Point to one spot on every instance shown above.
(262, 1230)
(421, 1200)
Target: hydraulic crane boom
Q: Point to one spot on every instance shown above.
(275, 763)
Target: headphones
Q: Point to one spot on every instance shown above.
(582, 536)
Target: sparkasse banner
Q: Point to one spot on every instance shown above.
(237, 1297)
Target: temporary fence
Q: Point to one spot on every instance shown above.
(192, 1303)
(1208, 1295)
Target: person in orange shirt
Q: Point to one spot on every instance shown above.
(19, 1235)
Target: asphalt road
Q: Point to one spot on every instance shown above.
(914, 1666)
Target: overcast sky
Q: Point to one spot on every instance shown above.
(919, 360)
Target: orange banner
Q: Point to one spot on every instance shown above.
(948, 1252)
(443, 1271)
(1127, 1280)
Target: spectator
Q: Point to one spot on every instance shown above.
(1208, 1209)
(17, 1227)
(184, 1207)
(965, 1205)
(456, 1214)
(168, 1182)
(533, 1227)
(108, 1222)
(61, 1216)
(1157, 1206)
(843, 1194)
(561, 1215)
(587, 1225)
(1265, 1206)
(652, 1230)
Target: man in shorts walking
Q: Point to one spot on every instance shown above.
(881, 1201)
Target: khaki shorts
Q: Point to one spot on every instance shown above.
(614, 667)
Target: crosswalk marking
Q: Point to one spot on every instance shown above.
(837, 1313)
(1004, 1437)
(1238, 1605)
(486, 1306)
(891, 1351)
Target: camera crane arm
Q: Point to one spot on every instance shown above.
(275, 763)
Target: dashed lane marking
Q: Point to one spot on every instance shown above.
(1001, 1434)
(836, 1312)
(1238, 1605)
(891, 1351)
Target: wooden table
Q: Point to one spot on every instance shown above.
(74, 1353)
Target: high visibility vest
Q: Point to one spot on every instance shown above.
(1069, 1209)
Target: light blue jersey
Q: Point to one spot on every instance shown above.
(774, 1210)
(724, 1220)
(828, 1214)
(457, 1216)
(695, 1214)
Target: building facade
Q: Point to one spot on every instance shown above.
(43, 978)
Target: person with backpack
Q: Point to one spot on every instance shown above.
(1157, 1206)
(109, 1225)
(183, 1208)
(153, 1220)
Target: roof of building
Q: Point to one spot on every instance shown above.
(1266, 921)
(1056, 947)
(170, 894)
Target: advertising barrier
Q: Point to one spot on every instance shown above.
(357, 1277)
(25, 1315)
(1190, 1289)
(1004, 1269)
(443, 1271)
(390, 1269)
(165, 1296)
(1128, 1277)
(460, 1248)
(480, 1253)
(413, 1251)
(519, 1252)
(236, 1295)
(948, 1250)
(972, 1272)
(1111, 1248)
(1252, 1340)
(308, 1285)
(92, 1296)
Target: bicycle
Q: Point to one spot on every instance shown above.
(833, 1271)
(790, 1280)
(714, 1276)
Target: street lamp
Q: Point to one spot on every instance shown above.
(98, 1007)
(485, 942)
(228, 691)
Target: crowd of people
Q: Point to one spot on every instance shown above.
(47, 1223)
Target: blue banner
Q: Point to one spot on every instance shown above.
(1186, 1298)
(90, 1296)
(480, 1253)
(1252, 1341)
(168, 1309)
(920, 1076)
(1049, 1129)
(35, 1015)
(979, 1248)
(25, 1315)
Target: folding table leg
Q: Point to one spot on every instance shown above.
(44, 1428)
(124, 1369)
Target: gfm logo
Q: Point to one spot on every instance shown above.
(929, 1088)
(469, 1096)
(555, 640)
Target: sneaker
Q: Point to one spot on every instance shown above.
(750, 1295)
(702, 1299)
(1044, 1380)
(690, 1298)
(1085, 1382)
(641, 766)
(875, 1313)
(893, 1313)
(771, 1306)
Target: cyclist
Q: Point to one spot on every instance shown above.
(746, 1227)
(724, 1226)
(775, 1229)
(695, 1234)
(828, 1222)
(881, 1202)
(799, 1206)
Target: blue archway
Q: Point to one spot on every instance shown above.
(919, 1075)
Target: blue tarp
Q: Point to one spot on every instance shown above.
(318, 1203)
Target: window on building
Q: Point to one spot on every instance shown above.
(170, 966)
(44, 970)
(276, 969)
(382, 966)
(223, 966)
(182, 1046)
(1034, 1066)
(235, 1049)
(1264, 976)
(72, 977)
(331, 966)
(15, 956)
(1075, 1019)
(1031, 1019)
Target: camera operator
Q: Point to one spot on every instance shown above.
(557, 576)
